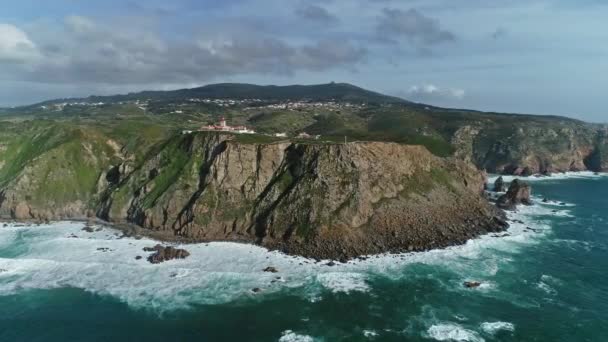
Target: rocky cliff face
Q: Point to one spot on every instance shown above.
(529, 148)
(319, 200)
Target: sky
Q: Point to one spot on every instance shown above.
(517, 56)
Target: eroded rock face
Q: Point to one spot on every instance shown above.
(542, 147)
(327, 201)
(331, 201)
(162, 253)
(519, 193)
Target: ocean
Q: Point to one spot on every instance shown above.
(547, 280)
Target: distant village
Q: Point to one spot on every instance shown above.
(247, 104)
(256, 104)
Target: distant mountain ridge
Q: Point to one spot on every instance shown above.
(342, 92)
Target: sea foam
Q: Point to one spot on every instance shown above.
(290, 336)
(555, 176)
(494, 327)
(62, 255)
(453, 332)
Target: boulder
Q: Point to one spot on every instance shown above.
(499, 185)
(163, 253)
(519, 193)
(88, 229)
(271, 269)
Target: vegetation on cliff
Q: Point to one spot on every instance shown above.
(316, 199)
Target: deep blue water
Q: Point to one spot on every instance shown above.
(545, 284)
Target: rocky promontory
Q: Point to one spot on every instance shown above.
(319, 200)
(519, 193)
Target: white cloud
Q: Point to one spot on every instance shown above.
(15, 45)
(85, 51)
(430, 92)
(412, 25)
(79, 24)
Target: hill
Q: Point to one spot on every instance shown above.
(340, 92)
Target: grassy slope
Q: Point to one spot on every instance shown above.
(64, 160)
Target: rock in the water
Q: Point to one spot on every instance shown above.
(165, 253)
(138, 257)
(256, 290)
(472, 284)
(499, 185)
(271, 269)
(545, 200)
(519, 193)
(88, 229)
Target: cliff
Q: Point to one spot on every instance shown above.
(318, 200)
(528, 147)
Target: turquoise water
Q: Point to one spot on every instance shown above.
(545, 284)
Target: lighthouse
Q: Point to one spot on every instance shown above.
(223, 122)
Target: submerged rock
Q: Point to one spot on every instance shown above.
(271, 269)
(163, 253)
(471, 284)
(519, 193)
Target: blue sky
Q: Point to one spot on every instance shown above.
(526, 56)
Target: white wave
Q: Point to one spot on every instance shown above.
(546, 288)
(576, 244)
(494, 327)
(370, 333)
(551, 279)
(343, 282)
(555, 176)
(453, 332)
(290, 336)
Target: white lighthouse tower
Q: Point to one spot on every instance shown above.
(223, 122)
